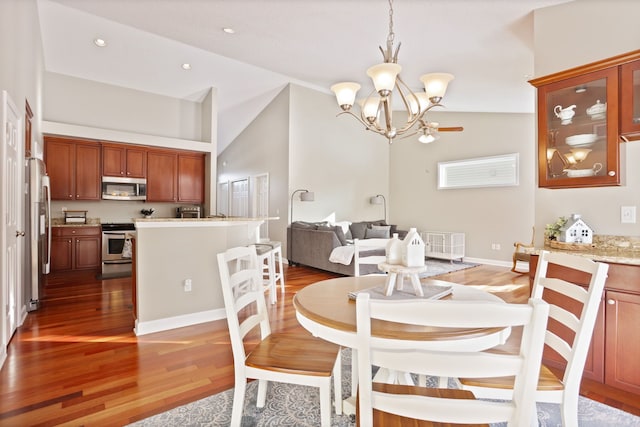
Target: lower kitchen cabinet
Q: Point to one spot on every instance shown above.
(615, 343)
(622, 318)
(75, 248)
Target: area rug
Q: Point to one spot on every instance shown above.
(293, 405)
(436, 267)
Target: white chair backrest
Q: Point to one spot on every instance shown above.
(241, 280)
(361, 255)
(414, 356)
(575, 353)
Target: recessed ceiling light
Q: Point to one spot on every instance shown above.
(186, 66)
(229, 30)
(100, 42)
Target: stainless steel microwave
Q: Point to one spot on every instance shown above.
(117, 188)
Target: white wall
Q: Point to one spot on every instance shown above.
(300, 142)
(567, 36)
(486, 215)
(84, 102)
(21, 72)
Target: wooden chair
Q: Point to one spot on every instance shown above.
(572, 347)
(289, 358)
(395, 404)
(520, 255)
(367, 252)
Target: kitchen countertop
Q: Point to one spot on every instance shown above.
(91, 222)
(613, 249)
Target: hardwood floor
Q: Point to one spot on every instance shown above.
(76, 361)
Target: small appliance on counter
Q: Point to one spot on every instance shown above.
(75, 217)
(188, 212)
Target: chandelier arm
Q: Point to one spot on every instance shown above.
(366, 125)
(411, 117)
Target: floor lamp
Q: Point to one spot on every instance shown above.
(379, 199)
(305, 196)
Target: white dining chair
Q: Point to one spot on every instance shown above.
(368, 252)
(397, 404)
(572, 347)
(289, 358)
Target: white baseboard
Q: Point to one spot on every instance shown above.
(495, 262)
(159, 325)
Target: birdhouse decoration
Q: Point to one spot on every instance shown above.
(575, 230)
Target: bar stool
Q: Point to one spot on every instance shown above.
(272, 270)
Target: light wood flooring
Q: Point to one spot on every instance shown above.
(76, 361)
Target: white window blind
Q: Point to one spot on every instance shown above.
(494, 171)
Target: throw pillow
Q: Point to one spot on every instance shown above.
(377, 232)
(358, 229)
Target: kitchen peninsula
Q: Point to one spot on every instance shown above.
(175, 273)
(615, 344)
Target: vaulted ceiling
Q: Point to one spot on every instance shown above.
(487, 45)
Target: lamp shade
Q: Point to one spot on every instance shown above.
(580, 153)
(421, 105)
(435, 84)
(370, 108)
(307, 196)
(345, 93)
(384, 76)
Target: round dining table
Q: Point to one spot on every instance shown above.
(326, 311)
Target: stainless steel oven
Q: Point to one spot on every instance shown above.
(116, 248)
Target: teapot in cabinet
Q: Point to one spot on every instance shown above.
(564, 114)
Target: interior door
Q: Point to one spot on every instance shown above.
(11, 210)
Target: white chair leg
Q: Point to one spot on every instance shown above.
(238, 402)
(272, 282)
(325, 404)
(262, 393)
(569, 410)
(337, 383)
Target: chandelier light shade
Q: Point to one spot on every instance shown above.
(376, 109)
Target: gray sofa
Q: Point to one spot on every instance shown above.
(311, 243)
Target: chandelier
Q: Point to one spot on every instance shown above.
(387, 81)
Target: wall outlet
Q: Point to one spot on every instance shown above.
(628, 214)
(187, 285)
(495, 246)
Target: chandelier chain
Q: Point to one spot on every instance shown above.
(391, 34)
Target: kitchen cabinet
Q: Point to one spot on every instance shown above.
(191, 178)
(75, 248)
(578, 131)
(583, 115)
(162, 172)
(123, 160)
(615, 343)
(175, 176)
(73, 166)
(630, 100)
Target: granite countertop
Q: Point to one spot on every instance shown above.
(613, 249)
(91, 222)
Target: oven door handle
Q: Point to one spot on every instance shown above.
(114, 233)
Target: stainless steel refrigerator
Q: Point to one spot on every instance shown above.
(38, 250)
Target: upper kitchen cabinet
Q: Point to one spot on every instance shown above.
(583, 115)
(578, 131)
(191, 178)
(162, 175)
(124, 161)
(630, 100)
(73, 166)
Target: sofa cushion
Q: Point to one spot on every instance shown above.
(336, 229)
(304, 224)
(358, 229)
(377, 232)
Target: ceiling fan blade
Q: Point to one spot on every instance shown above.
(450, 129)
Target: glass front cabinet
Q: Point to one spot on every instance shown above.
(630, 100)
(578, 131)
(583, 116)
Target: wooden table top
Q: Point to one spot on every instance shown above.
(327, 303)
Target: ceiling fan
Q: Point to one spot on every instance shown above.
(431, 131)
